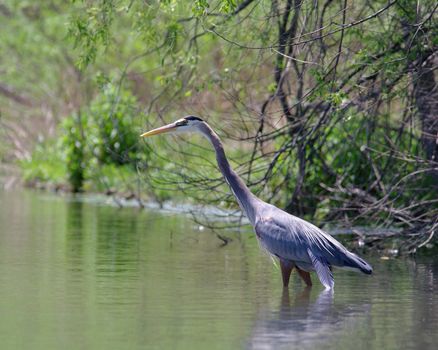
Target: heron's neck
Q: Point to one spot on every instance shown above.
(247, 201)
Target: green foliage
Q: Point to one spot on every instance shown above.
(74, 147)
(200, 7)
(111, 176)
(46, 164)
(94, 145)
(90, 29)
(112, 134)
(354, 154)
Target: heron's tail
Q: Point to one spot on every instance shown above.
(355, 262)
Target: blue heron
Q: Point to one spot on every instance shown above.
(295, 242)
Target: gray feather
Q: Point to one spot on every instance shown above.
(325, 275)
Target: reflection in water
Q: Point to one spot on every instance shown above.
(103, 247)
(302, 323)
(426, 281)
(74, 234)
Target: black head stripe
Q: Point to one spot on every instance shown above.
(192, 117)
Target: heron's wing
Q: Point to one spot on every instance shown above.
(297, 241)
(290, 237)
(278, 240)
(323, 270)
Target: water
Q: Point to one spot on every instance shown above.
(77, 275)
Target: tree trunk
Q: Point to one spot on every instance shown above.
(426, 100)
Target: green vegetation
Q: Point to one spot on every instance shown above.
(326, 109)
(94, 144)
(74, 143)
(46, 164)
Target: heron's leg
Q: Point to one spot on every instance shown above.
(286, 269)
(305, 276)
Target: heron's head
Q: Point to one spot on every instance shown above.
(189, 123)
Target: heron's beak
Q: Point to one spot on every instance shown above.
(161, 130)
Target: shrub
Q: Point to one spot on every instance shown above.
(112, 133)
(74, 146)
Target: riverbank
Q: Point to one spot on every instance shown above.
(383, 242)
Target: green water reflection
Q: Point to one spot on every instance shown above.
(78, 275)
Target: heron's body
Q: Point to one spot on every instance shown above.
(297, 243)
(294, 241)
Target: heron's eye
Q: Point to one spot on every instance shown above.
(181, 123)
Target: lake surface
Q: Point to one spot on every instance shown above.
(83, 275)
